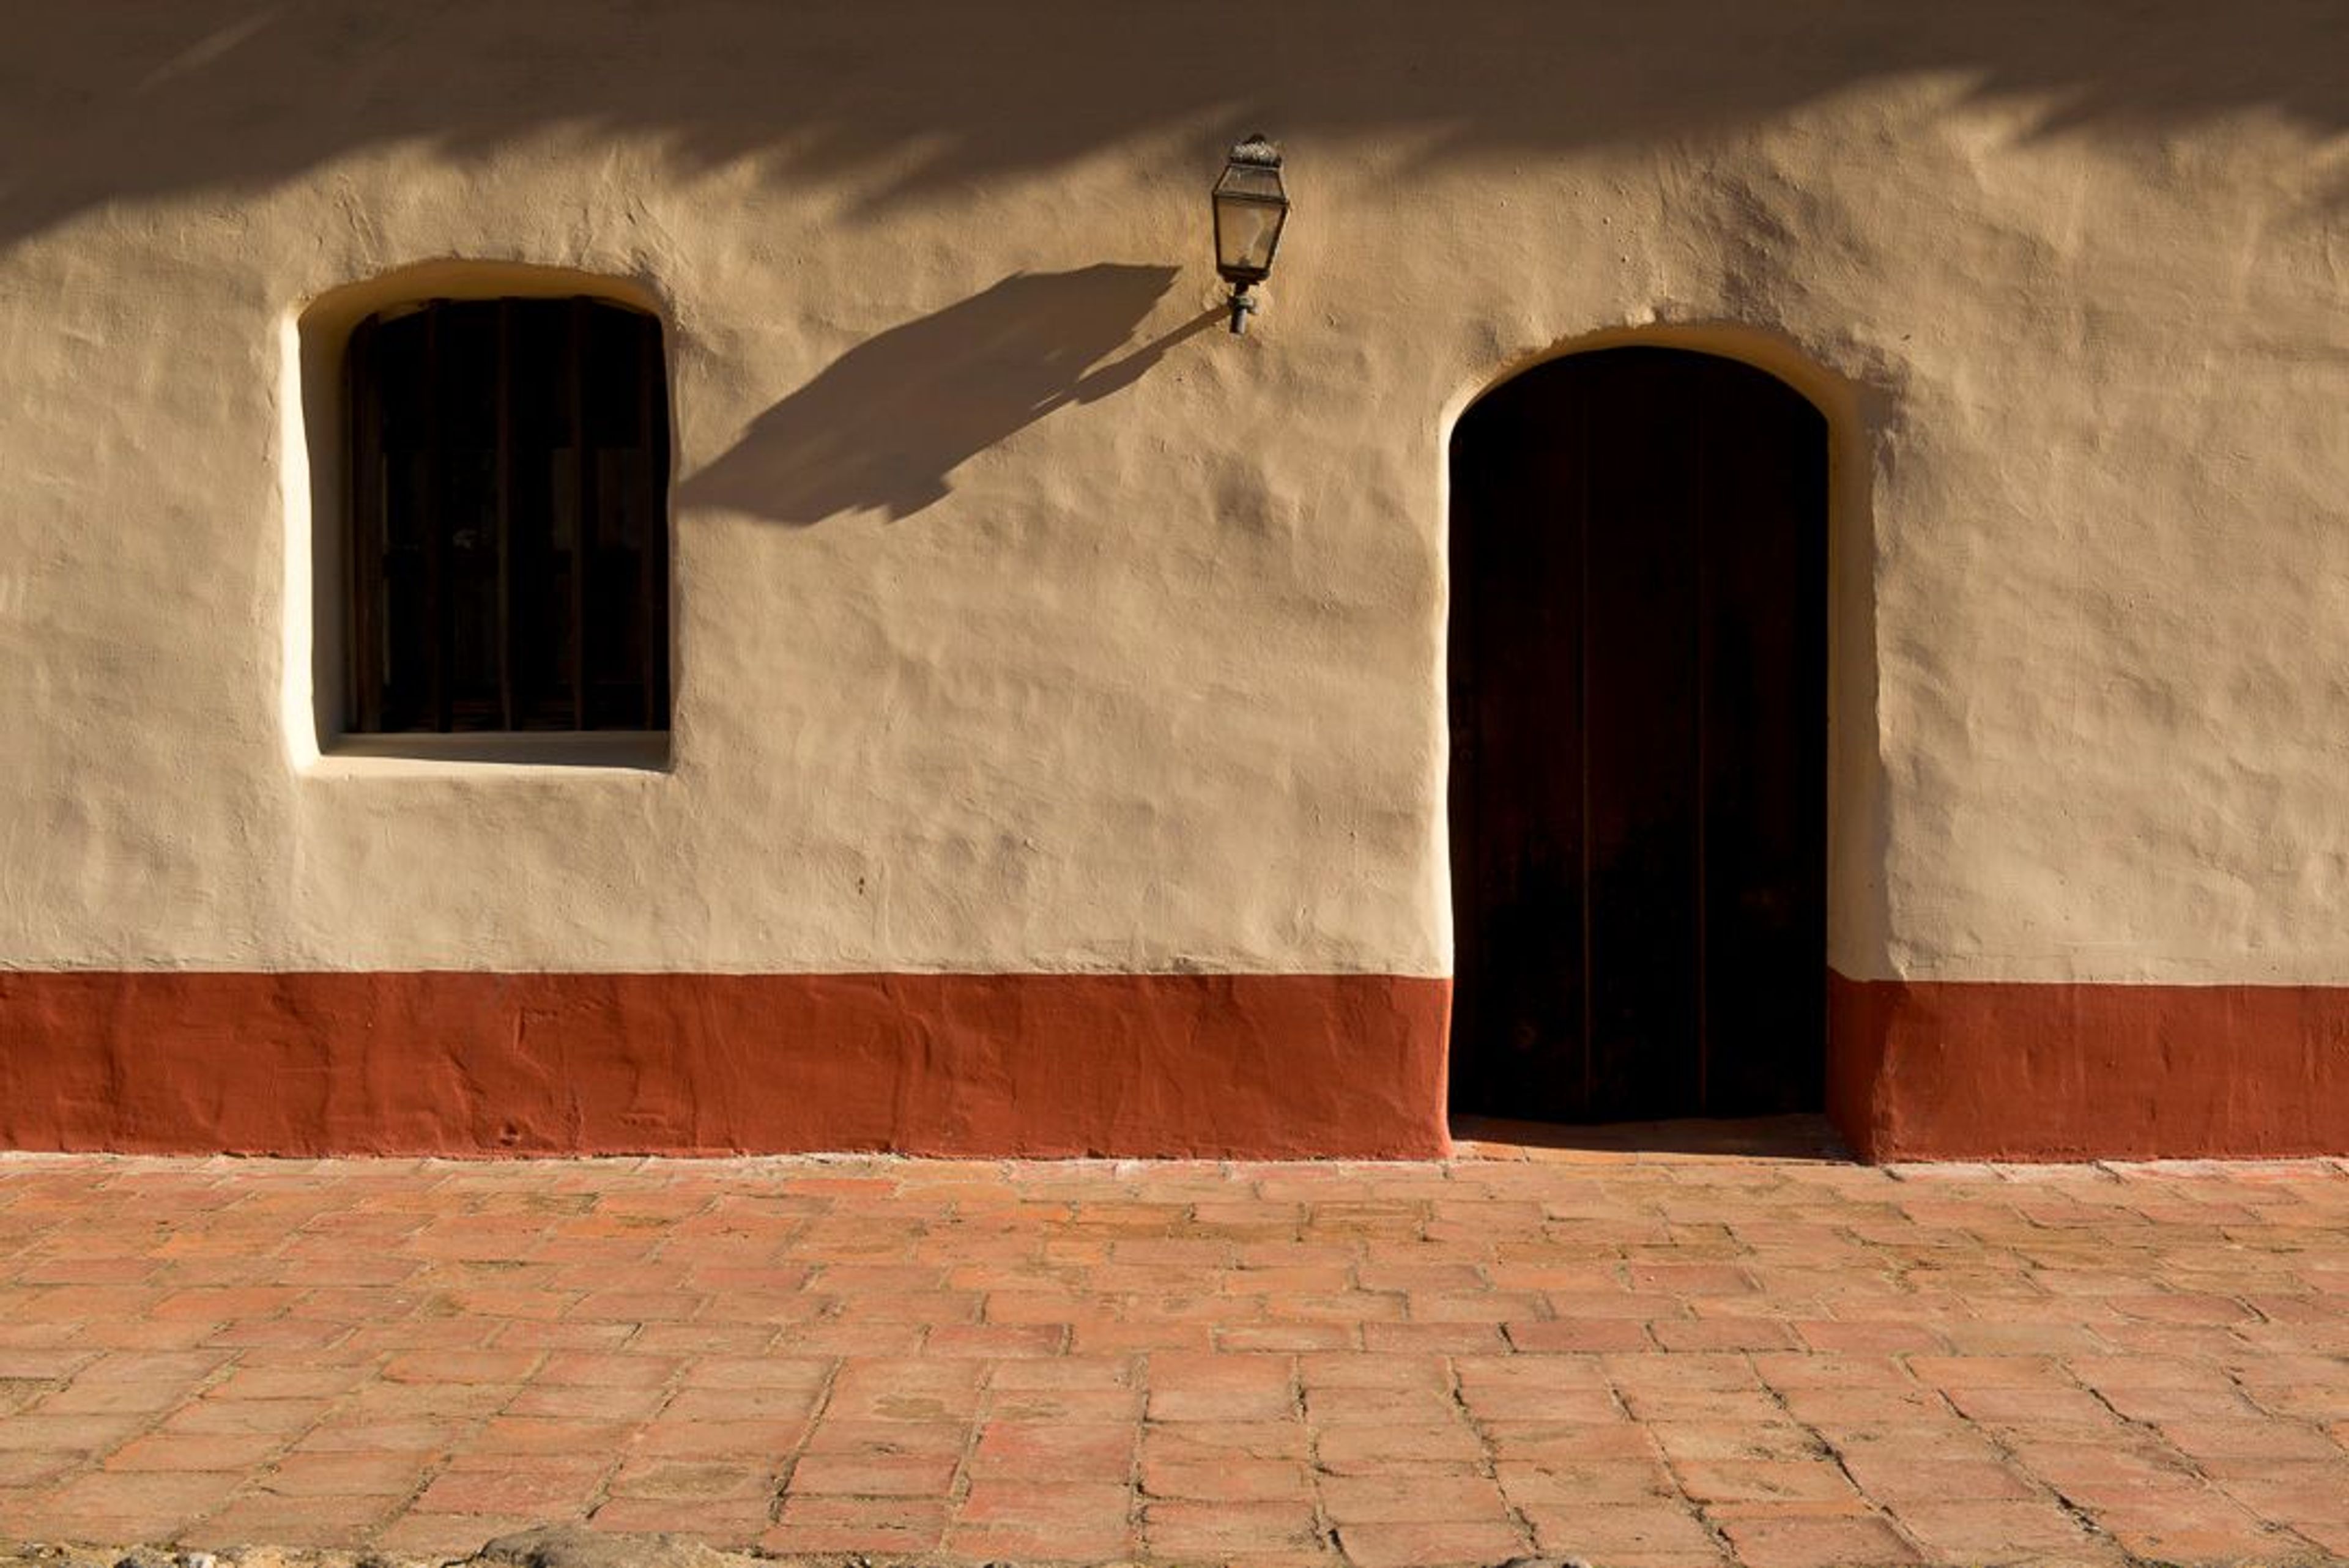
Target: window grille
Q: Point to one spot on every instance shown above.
(508, 527)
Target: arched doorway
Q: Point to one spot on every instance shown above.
(1637, 684)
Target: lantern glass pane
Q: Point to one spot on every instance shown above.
(1246, 234)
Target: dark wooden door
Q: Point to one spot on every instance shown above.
(1639, 715)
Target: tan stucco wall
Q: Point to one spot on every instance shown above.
(1027, 621)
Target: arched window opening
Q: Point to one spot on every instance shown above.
(508, 561)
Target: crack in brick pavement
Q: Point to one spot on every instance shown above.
(1645, 1359)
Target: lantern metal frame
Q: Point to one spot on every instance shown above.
(1241, 185)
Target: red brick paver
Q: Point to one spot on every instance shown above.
(1641, 1359)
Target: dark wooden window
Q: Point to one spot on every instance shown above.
(509, 560)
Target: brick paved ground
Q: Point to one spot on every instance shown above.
(1643, 1359)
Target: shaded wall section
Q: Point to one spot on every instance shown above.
(917, 97)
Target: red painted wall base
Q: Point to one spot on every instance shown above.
(1242, 1066)
(1988, 1070)
(1257, 1065)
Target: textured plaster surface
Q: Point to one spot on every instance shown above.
(1027, 621)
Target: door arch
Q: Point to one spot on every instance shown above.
(1638, 696)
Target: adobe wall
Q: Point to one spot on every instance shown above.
(1028, 624)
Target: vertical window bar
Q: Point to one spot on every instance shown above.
(1582, 739)
(585, 517)
(439, 618)
(364, 546)
(652, 535)
(504, 460)
(1700, 432)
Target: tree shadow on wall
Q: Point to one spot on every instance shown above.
(885, 426)
(898, 101)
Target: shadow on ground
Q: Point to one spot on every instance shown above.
(1809, 1138)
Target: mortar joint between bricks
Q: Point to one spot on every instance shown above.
(789, 1466)
(2193, 1465)
(1823, 1445)
(1486, 1465)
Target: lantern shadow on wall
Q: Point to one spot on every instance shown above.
(885, 426)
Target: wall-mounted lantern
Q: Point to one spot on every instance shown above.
(1251, 205)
